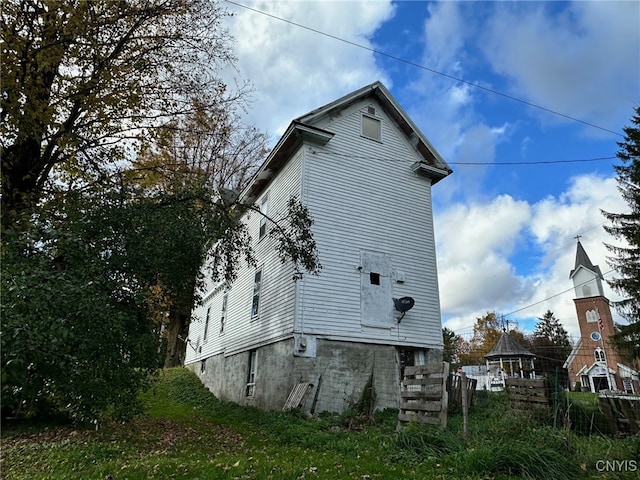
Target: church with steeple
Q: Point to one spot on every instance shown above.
(594, 364)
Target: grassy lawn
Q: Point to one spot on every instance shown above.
(188, 434)
(585, 398)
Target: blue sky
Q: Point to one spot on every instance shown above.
(504, 233)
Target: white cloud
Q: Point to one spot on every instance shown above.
(296, 70)
(444, 35)
(475, 243)
(583, 61)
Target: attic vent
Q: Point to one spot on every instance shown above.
(371, 110)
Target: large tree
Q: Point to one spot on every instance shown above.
(452, 344)
(550, 343)
(83, 79)
(625, 260)
(116, 139)
(486, 333)
(192, 159)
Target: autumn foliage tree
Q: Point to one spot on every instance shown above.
(486, 333)
(190, 161)
(83, 79)
(117, 138)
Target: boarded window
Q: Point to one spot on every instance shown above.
(371, 128)
(376, 290)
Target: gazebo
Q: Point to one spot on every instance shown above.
(514, 360)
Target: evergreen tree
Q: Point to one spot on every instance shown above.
(626, 226)
(550, 343)
(451, 344)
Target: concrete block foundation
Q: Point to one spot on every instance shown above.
(339, 372)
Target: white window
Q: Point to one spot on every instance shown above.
(599, 354)
(223, 315)
(371, 128)
(264, 209)
(206, 325)
(251, 377)
(255, 304)
(627, 385)
(592, 316)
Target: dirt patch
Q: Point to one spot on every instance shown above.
(154, 433)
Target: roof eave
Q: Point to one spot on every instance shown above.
(295, 135)
(396, 113)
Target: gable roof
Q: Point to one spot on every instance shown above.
(582, 260)
(302, 128)
(506, 347)
(393, 109)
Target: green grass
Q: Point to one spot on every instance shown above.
(584, 398)
(188, 434)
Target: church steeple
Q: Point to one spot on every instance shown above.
(587, 277)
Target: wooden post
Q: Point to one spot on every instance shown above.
(465, 406)
(445, 396)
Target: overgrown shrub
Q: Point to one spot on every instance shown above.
(429, 440)
(522, 459)
(75, 339)
(582, 414)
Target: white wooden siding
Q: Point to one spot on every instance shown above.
(363, 195)
(275, 319)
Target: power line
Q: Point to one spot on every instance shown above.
(552, 296)
(537, 162)
(526, 307)
(423, 67)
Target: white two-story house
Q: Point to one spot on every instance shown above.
(365, 172)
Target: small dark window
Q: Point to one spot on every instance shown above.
(206, 325)
(224, 312)
(374, 278)
(264, 210)
(255, 305)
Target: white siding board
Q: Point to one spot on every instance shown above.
(363, 195)
(277, 295)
